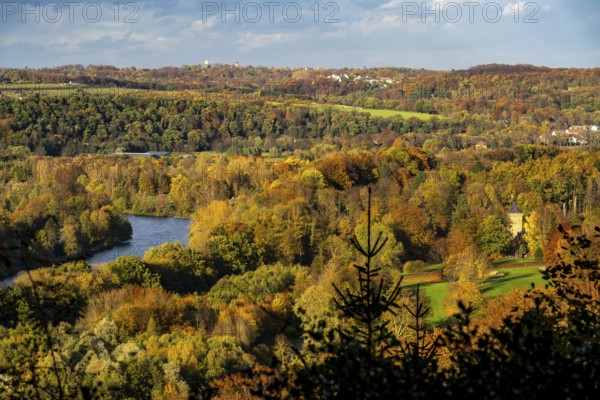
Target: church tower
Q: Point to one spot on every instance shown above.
(515, 217)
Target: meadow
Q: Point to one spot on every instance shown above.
(375, 112)
(437, 291)
(381, 112)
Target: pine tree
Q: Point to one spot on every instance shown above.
(366, 307)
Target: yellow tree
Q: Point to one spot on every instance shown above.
(537, 224)
(205, 220)
(180, 193)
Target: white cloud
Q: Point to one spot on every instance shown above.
(251, 41)
(391, 4)
(175, 33)
(203, 25)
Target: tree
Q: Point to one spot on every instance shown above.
(180, 193)
(231, 249)
(468, 265)
(389, 255)
(205, 220)
(132, 270)
(71, 237)
(537, 225)
(464, 291)
(367, 306)
(359, 359)
(414, 267)
(181, 269)
(492, 236)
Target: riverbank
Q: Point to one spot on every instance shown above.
(147, 232)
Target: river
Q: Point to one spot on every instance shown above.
(147, 232)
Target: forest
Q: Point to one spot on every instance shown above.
(313, 231)
(252, 110)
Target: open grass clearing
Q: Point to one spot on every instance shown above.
(383, 113)
(437, 292)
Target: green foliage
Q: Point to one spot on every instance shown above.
(522, 250)
(388, 256)
(539, 253)
(181, 269)
(365, 308)
(92, 123)
(257, 286)
(71, 331)
(548, 349)
(358, 359)
(231, 249)
(414, 267)
(225, 356)
(492, 236)
(132, 270)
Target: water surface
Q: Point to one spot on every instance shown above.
(147, 232)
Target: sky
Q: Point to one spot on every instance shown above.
(430, 34)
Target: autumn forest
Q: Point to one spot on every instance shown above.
(356, 234)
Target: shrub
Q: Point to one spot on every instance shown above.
(414, 267)
(463, 291)
(132, 270)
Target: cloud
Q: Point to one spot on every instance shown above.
(368, 32)
(391, 4)
(250, 41)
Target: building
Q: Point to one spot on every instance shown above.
(515, 217)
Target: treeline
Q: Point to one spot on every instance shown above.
(508, 94)
(47, 216)
(269, 240)
(299, 209)
(88, 124)
(159, 327)
(519, 109)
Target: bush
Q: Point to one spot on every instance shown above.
(414, 267)
(463, 291)
(132, 270)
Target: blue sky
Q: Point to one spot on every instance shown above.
(432, 34)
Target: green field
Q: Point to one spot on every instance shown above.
(383, 113)
(509, 262)
(436, 293)
(374, 112)
(516, 278)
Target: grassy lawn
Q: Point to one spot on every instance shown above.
(516, 278)
(434, 267)
(382, 113)
(437, 294)
(374, 112)
(511, 261)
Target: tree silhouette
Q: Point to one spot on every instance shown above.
(366, 307)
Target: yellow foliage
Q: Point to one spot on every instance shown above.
(205, 219)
